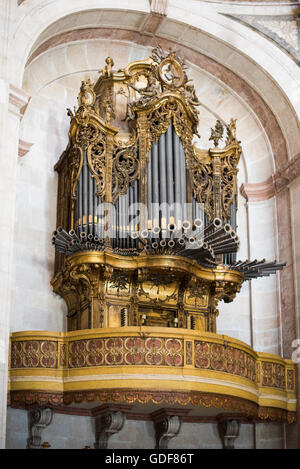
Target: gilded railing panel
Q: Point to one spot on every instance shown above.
(151, 360)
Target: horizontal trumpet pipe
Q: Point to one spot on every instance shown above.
(64, 233)
(226, 250)
(198, 222)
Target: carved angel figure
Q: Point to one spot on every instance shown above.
(231, 131)
(147, 94)
(217, 133)
(170, 73)
(190, 95)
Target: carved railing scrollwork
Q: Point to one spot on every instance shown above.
(96, 162)
(203, 187)
(125, 169)
(75, 164)
(228, 182)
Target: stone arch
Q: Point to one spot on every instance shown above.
(181, 24)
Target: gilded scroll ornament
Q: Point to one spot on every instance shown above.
(96, 162)
(125, 169)
(75, 165)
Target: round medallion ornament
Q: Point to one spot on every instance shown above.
(170, 72)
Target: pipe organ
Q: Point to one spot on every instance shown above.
(146, 247)
(146, 221)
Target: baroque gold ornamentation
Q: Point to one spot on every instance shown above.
(126, 351)
(189, 352)
(125, 169)
(196, 399)
(273, 374)
(34, 354)
(75, 166)
(227, 359)
(133, 348)
(290, 380)
(96, 162)
(45, 359)
(87, 285)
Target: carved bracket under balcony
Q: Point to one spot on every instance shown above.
(107, 424)
(229, 430)
(167, 424)
(39, 419)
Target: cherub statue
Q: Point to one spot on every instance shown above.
(147, 93)
(107, 70)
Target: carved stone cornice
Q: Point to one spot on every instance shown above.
(286, 175)
(258, 192)
(274, 184)
(18, 101)
(24, 148)
(159, 6)
(155, 17)
(106, 408)
(21, 399)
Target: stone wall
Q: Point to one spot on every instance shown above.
(76, 432)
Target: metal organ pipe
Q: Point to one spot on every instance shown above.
(130, 230)
(91, 204)
(76, 209)
(84, 193)
(162, 181)
(155, 185)
(169, 162)
(182, 178)
(149, 195)
(121, 213)
(135, 201)
(126, 198)
(166, 183)
(95, 218)
(80, 203)
(176, 163)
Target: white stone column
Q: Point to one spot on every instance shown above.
(12, 101)
(10, 121)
